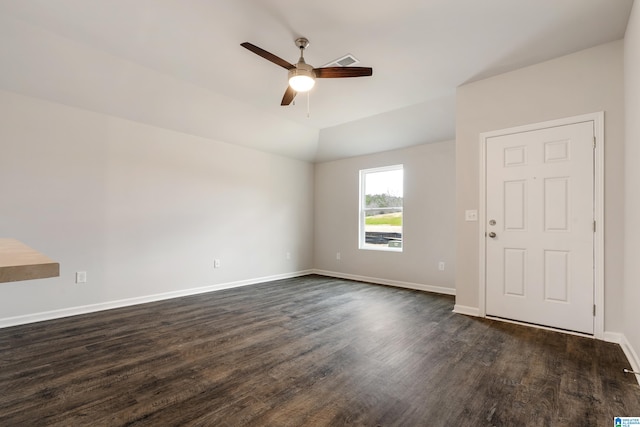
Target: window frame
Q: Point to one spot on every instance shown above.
(362, 244)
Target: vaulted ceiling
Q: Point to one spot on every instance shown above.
(178, 64)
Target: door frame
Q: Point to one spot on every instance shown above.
(598, 187)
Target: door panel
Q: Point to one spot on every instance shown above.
(539, 265)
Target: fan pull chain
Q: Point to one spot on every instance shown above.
(308, 103)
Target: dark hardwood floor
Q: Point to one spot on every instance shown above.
(310, 351)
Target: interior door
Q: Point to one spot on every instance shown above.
(540, 227)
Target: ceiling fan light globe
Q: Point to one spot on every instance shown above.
(301, 83)
(302, 77)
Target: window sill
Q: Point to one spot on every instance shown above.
(380, 249)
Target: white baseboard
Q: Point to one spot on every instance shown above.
(466, 310)
(74, 311)
(408, 285)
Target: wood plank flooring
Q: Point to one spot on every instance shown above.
(310, 351)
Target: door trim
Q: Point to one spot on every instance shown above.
(598, 124)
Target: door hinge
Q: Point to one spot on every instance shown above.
(594, 310)
(594, 142)
(594, 226)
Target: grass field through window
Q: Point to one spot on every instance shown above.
(385, 219)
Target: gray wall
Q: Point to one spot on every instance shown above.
(631, 327)
(429, 228)
(143, 210)
(585, 82)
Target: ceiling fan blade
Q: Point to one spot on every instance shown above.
(338, 72)
(289, 94)
(268, 55)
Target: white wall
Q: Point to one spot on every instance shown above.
(632, 184)
(428, 230)
(584, 82)
(142, 209)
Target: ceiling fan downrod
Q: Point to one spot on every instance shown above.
(302, 44)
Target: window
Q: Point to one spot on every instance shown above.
(381, 196)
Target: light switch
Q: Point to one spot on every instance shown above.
(471, 215)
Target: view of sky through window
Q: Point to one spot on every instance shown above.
(386, 182)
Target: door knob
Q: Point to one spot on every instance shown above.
(492, 235)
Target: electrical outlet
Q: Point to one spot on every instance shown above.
(338, 256)
(81, 277)
(216, 263)
(441, 266)
(471, 215)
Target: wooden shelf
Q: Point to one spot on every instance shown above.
(19, 262)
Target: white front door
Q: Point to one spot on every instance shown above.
(540, 227)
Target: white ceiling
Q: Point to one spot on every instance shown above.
(178, 64)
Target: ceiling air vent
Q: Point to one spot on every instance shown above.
(344, 61)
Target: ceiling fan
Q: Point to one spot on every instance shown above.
(302, 76)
